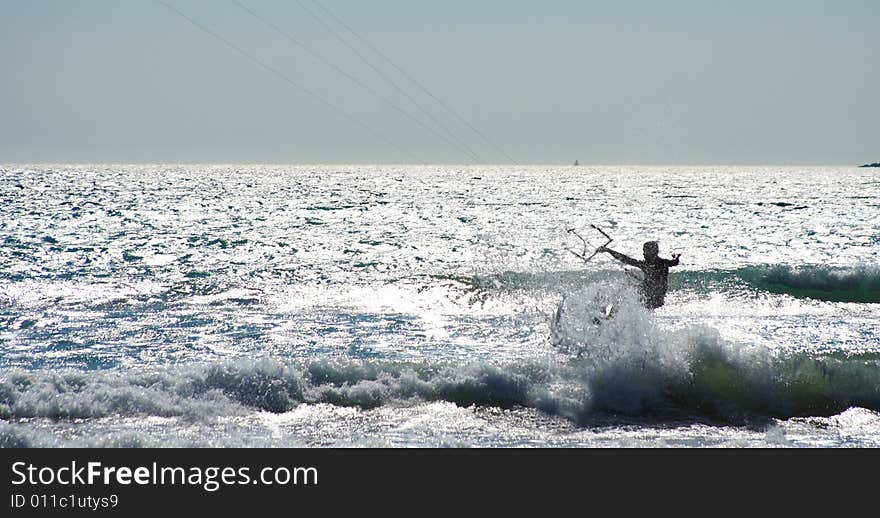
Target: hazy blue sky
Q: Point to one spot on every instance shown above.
(624, 82)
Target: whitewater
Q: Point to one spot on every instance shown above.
(421, 306)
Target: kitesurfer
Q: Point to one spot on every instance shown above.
(655, 269)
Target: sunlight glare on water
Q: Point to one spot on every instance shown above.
(305, 305)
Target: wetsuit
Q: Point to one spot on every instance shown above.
(656, 280)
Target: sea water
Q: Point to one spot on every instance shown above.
(251, 305)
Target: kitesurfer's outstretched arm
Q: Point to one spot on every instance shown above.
(625, 259)
(674, 261)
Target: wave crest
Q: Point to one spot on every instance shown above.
(692, 375)
(859, 284)
(832, 284)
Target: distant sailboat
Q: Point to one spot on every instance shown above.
(576, 162)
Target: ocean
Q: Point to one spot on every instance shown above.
(178, 305)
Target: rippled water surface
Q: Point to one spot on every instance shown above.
(416, 306)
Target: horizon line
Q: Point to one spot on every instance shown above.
(432, 164)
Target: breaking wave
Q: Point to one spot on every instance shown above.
(833, 284)
(622, 365)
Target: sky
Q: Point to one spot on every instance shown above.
(682, 82)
